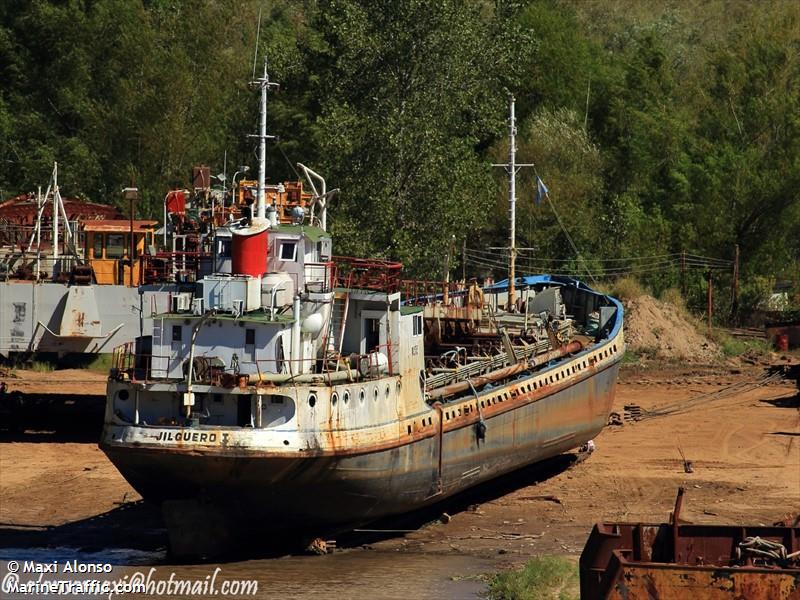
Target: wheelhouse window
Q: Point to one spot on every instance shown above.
(97, 248)
(288, 251)
(417, 324)
(115, 245)
(177, 333)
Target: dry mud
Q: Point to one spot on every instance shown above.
(744, 445)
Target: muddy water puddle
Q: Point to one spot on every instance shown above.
(343, 575)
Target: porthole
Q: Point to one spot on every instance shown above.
(362, 395)
(334, 398)
(398, 387)
(285, 442)
(375, 394)
(123, 395)
(346, 396)
(312, 400)
(388, 391)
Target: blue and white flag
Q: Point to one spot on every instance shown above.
(541, 190)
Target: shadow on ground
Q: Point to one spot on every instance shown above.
(51, 418)
(139, 525)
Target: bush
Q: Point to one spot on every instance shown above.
(733, 346)
(673, 296)
(41, 366)
(627, 288)
(543, 578)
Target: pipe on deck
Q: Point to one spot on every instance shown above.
(505, 372)
(334, 377)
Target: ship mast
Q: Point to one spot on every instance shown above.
(511, 168)
(265, 84)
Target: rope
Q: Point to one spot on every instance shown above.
(756, 548)
(681, 407)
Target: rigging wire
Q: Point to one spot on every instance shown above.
(566, 233)
(291, 166)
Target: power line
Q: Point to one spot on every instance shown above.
(658, 266)
(675, 257)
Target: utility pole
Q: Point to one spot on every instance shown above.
(735, 286)
(450, 250)
(55, 215)
(512, 167)
(710, 299)
(683, 273)
(131, 194)
(464, 262)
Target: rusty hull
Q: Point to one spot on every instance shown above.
(675, 562)
(323, 486)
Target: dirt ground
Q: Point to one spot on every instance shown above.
(743, 441)
(62, 381)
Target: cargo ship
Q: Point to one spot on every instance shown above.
(300, 393)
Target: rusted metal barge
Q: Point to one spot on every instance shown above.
(675, 560)
(300, 394)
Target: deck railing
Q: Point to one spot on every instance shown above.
(368, 274)
(320, 277)
(181, 267)
(138, 366)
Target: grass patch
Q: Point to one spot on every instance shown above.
(100, 363)
(543, 578)
(630, 357)
(627, 288)
(732, 346)
(38, 366)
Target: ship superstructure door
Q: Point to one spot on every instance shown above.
(373, 330)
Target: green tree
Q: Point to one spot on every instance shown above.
(408, 93)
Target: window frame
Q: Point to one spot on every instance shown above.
(285, 243)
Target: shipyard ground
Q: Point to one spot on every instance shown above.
(742, 438)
